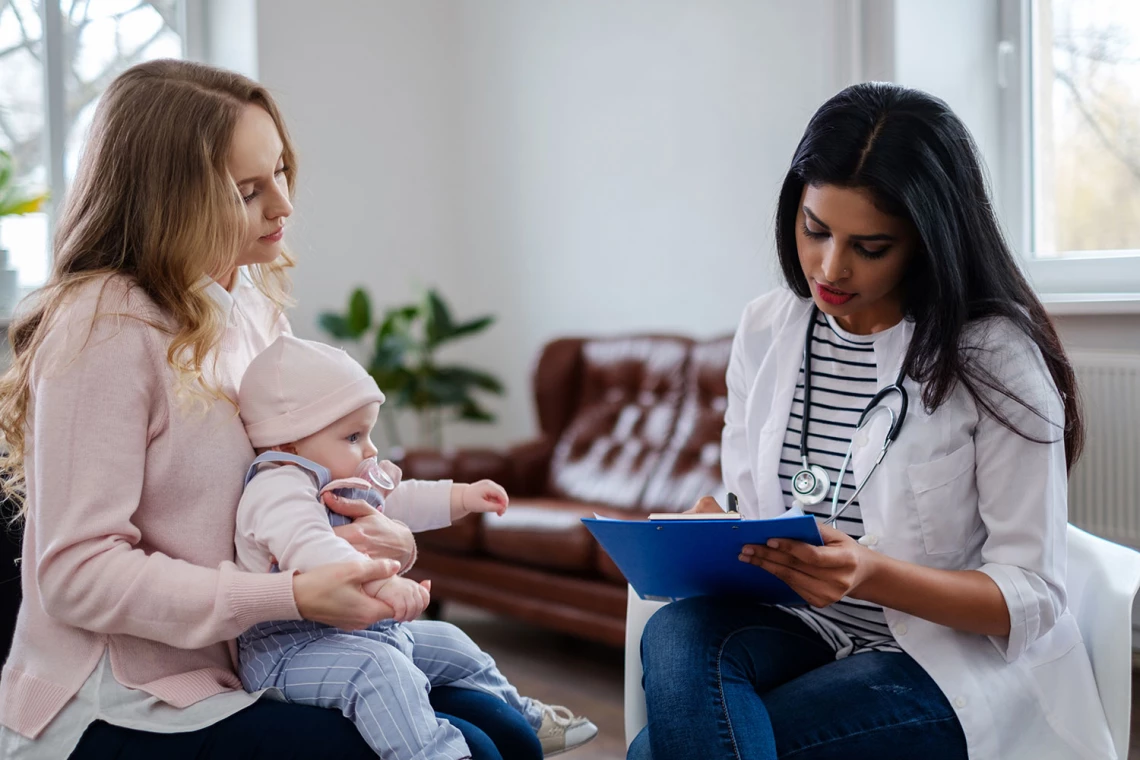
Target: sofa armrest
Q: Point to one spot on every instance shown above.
(522, 469)
(462, 466)
(530, 466)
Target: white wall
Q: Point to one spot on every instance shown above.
(587, 167)
(581, 168)
(620, 163)
(369, 94)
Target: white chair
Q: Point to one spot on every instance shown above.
(1102, 583)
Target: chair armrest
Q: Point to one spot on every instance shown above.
(637, 614)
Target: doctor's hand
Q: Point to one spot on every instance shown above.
(822, 575)
(704, 505)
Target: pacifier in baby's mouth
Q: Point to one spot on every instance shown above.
(371, 471)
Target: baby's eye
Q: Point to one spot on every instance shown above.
(354, 438)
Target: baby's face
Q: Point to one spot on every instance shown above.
(343, 445)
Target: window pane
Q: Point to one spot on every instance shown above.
(1086, 127)
(21, 132)
(107, 37)
(101, 38)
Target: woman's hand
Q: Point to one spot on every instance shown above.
(372, 533)
(822, 575)
(334, 594)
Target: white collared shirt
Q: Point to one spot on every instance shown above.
(956, 491)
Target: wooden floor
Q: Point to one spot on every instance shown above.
(585, 677)
(555, 669)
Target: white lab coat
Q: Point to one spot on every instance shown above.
(955, 491)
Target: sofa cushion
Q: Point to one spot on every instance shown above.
(461, 536)
(689, 467)
(544, 533)
(631, 390)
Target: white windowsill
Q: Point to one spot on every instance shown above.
(1091, 304)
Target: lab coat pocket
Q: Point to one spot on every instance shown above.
(946, 499)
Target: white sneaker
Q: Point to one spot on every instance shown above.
(562, 730)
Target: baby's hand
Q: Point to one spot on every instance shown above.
(485, 496)
(407, 598)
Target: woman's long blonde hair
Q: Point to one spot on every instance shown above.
(153, 201)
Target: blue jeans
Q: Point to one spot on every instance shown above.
(748, 681)
(269, 730)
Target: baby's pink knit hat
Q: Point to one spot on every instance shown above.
(298, 387)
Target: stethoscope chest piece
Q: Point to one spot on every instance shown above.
(810, 485)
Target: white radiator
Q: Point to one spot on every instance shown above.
(1104, 487)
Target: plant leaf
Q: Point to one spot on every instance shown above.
(18, 206)
(467, 328)
(438, 324)
(335, 325)
(393, 382)
(6, 169)
(472, 412)
(467, 377)
(359, 312)
(399, 320)
(389, 351)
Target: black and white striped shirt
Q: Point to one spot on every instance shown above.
(844, 378)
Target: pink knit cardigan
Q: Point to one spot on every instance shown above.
(132, 496)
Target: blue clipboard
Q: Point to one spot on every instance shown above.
(676, 559)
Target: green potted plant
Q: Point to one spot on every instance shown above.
(400, 352)
(14, 200)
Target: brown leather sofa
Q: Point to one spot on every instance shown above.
(628, 426)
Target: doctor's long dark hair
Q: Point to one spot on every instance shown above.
(919, 163)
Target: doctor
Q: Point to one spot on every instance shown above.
(937, 625)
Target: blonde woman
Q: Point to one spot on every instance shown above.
(120, 428)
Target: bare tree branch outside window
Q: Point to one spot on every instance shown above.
(1089, 152)
(101, 38)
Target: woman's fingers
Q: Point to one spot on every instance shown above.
(704, 505)
(793, 553)
(818, 592)
(332, 594)
(353, 508)
(374, 570)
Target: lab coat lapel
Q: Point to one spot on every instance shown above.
(775, 401)
(889, 354)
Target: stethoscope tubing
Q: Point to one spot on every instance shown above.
(873, 406)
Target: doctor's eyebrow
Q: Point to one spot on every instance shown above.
(878, 236)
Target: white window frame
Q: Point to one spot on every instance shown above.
(1080, 275)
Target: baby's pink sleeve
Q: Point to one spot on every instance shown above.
(421, 504)
(281, 514)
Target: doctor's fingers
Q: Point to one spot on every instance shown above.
(792, 553)
(818, 592)
(840, 577)
(704, 505)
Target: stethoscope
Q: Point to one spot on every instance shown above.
(810, 484)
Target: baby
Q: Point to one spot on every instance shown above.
(309, 411)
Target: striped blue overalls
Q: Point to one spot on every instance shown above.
(379, 678)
